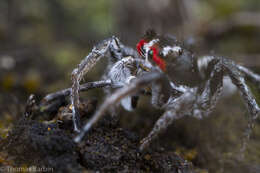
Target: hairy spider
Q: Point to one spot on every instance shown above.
(180, 83)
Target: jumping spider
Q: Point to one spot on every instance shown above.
(179, 83)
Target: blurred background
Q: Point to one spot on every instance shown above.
(42, 41)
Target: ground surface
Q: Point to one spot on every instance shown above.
(107, 148)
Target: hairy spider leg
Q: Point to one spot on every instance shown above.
(212, 89)
(221, 67)
(238, 80)
(117, 97)
(252, 106)
(235, 72)
(250, 75)
(180, 107)
(85, 65)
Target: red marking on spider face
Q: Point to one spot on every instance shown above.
(157, 59)
(139, 46)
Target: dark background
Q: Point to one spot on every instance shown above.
(42, 41)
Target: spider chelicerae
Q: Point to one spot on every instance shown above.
(178, 82)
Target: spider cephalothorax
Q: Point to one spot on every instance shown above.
(171, 57)
(180, 83)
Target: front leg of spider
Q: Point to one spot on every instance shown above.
(85, 65)
(117, 97)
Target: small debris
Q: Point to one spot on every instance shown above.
(147, 157)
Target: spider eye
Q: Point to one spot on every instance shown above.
(150, 53)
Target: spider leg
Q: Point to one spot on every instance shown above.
(84, 87)
(236, 73)
(54, 100)
(252, 107)
(117, 97)
(180, 107)
(211, 90)
(161, 92)
(219, 68)
(237, 79)
(250, 75)
(86, 64)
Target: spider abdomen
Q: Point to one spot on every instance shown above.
(183, 70)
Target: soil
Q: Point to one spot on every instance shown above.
(106, 148)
